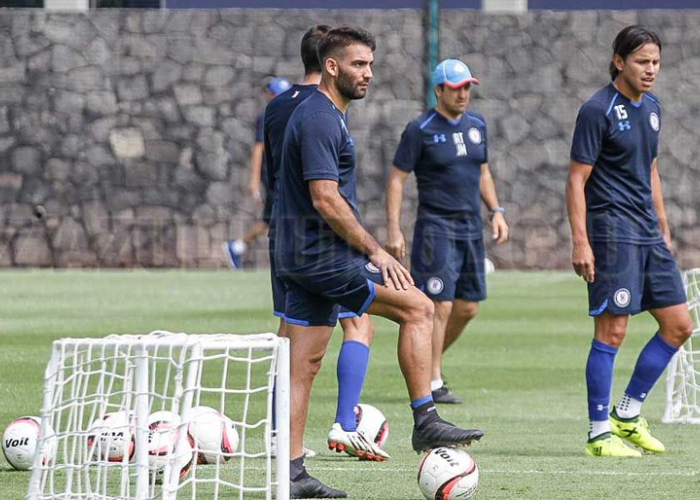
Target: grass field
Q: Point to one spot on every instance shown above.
(519, 367)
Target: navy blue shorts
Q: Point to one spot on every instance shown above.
(447, 268)
(633, 278)
(279, 290)
(315, 300)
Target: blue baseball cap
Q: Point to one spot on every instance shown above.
(453, 73)
(278, 85)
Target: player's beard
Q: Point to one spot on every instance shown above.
(348, 88)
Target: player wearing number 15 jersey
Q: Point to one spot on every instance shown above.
(621, 241)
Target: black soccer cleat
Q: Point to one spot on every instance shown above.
(310, 487)
(438, 433)
(444, 396)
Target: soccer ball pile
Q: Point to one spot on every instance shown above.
(211, 437)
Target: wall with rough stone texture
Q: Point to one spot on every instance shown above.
(125, 135)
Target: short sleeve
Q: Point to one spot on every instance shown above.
(259, 128)
(587, 143)
(409, 149)
(320, 140)
(655, 144)
(484, 133)
(269, 163)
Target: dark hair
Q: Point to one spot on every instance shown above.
(339, 38)
(629, 40)
(309, 48)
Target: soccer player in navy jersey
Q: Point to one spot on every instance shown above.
(326, 257)
(622, 242)
(234, 250)
(358, 331)
(447, 148)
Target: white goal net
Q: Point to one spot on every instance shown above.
(683, 375)
(164, 416)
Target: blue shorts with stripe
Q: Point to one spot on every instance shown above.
(316, 300)
(632, 278)
(447, 268)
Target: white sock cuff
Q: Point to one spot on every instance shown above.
(436, 384)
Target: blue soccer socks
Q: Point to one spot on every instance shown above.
(351, 371)
(599, 377)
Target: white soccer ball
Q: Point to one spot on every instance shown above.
(213, 434)
(20, 440)
(163, 437)
(372, 423)
(111, 437)
(448, 473)
(489, 266)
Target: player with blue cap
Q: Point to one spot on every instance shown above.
(447, 149)
(234, 250)
(453, 73)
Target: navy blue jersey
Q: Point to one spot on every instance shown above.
(620, 139)
(447, 157)
(259, 127)
(277, 114)
(317, 146)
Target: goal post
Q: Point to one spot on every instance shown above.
(683, 374)
(121, 409)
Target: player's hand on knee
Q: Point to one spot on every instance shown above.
(392, 270)
(583, 261)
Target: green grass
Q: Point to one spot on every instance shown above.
(520, 367)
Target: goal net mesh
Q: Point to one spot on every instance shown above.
(683, 375)
(102, 397)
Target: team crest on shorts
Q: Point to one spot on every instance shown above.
(622, 297)
(654, 121)
(372, 268)
(435, 286)
(474, 135)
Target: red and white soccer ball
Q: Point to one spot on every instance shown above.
(448, 474)
(111, 437)
(163, 438)
(213, 435)
(20, 440)
(372, 423)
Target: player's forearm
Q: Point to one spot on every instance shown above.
(341, 218)
(658, 199)
(488, 189)
(256, 157)
(576, 208)
(394, 200)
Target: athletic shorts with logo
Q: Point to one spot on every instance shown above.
(631, 278)
(447, 268)
(316, 299)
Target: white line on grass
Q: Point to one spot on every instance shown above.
(526, 472)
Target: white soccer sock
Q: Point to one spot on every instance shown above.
(436, 384)
(598, 427)
(628, 407)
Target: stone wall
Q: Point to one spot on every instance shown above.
(125, 135)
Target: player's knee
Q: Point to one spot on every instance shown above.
(614, 336)
(685, 330)
(424, 309)
(468, 311)
(313, 365)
